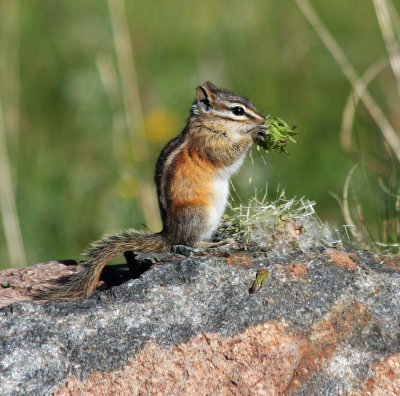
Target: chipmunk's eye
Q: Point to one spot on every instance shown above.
(238, 110)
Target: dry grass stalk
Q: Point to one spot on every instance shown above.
(345, 205)
(352, 102)
(395, 19)
(133, 111)
(9, 64)
(357, 229)
(392, 45)
(109, 79)
(358, 85)
(8, 208)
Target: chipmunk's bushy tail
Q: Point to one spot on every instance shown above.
(82, 283)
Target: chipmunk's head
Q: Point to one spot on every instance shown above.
(225, 111)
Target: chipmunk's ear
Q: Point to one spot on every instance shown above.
(210, 85)
(205, 96)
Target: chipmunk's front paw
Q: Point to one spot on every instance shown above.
(260, 133)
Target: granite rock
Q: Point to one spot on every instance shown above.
(325, 322)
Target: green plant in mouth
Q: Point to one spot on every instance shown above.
(279, 133)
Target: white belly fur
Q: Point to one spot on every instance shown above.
(220, 195)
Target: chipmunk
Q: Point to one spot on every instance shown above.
(192, 177)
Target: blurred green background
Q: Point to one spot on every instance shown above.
(75, 103)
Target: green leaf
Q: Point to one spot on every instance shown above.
(278, 135)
